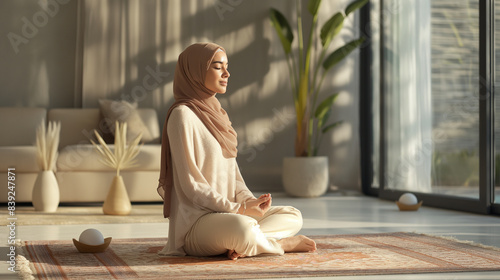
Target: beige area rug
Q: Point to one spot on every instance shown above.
(364, 254)
(76, 215)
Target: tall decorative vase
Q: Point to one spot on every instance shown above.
(45, 195)
(117, 201)
(305, 176)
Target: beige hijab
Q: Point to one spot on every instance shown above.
(189, 89)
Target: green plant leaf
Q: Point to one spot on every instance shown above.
(341, 53)
(313, 6)
(324, 119)
(331, 126)
(283, 29)
(331, 28)
(325, 106)
(354, 6)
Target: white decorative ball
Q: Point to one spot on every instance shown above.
(408, 199)
(91, 236)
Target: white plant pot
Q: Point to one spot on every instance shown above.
(45, 195)
(305, 176)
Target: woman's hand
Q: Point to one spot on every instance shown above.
(266, 205)
(258, 206)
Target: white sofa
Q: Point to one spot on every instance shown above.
(81, 175)
(17, 149)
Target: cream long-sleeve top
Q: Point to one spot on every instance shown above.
(204, 180)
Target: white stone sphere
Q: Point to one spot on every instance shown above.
(91, 236)
(408, 199)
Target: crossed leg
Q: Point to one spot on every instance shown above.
(239, 235)
(282, 223)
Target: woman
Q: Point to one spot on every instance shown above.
(211, 210)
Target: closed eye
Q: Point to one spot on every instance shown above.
(218, 63)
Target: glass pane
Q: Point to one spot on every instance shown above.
(497, 101)
(432, 109)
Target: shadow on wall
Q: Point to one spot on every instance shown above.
(126, 55)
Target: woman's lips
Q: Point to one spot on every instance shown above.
(223, 83)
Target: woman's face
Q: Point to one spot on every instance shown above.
(217, 74)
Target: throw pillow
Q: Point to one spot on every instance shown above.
(124, 111)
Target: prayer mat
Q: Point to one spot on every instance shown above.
(337, 255)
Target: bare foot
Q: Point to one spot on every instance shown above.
(299, 243)
(232, 255)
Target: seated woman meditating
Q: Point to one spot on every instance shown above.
(210, 209)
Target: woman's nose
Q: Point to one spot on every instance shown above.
(226, 74)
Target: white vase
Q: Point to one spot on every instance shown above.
(45, 195)
(305, 176)
(117, 201)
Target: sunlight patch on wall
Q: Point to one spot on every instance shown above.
(39, 86)
(342, 134)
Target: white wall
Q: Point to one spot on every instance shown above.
(258, 100)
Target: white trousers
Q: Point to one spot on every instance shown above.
(216, 233)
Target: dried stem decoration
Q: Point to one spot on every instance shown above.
(47, 143)
(123, 155)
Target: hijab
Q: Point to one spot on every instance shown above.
(190, 90)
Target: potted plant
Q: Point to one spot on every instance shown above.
(45, 194)
(307, 73)
(117, 201)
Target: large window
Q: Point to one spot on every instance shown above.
(431, 113)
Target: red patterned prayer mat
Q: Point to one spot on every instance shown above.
(361, 254)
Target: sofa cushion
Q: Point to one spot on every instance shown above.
(23, 158)
(150, 119)
(85, 157)
(123, 111)
(77, 125)
(19, 125)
